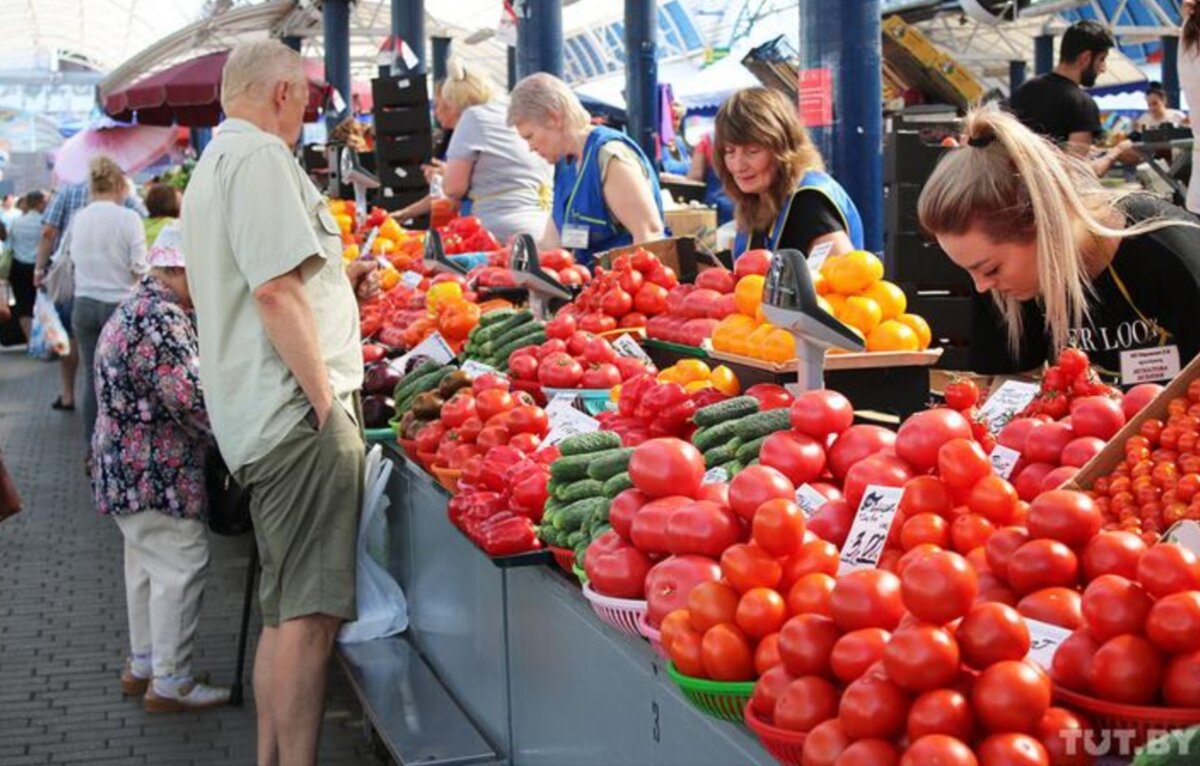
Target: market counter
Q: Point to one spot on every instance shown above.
(523, 654)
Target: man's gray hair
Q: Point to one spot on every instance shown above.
(259, 64)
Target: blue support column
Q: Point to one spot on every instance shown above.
(441, 55)
(1016, 75)
(641, 72)
(1170, 70)
(846, 38)
(512, 66)
(337, 51)
(540, 38)
(1043, 54)
(408, 24)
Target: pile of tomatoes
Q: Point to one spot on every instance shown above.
(574, 358)
(1069, 378)
(627, 295)
(694, 311)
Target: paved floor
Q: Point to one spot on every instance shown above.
(62, 617)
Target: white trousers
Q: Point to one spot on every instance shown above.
(166, 565)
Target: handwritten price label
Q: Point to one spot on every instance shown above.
(433, 348)
(1005, 402)
(809, 500)
(715, 475)
(869, 532)
(566, 421)
(1004, 460)
(474, 369)
(1044, 640)
(627, 346)
(410, 279)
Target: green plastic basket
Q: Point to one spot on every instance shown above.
(720, 699)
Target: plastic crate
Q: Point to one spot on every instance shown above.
(721, 699)
(784, 745)
(622, 614)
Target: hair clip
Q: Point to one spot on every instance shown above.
(981, 142)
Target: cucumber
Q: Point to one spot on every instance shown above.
(762, 424)
(495, 317)
(408, 381)
(1176, 748)
(749, 450)
(722, 453)
(516, 331)
(730, 409)
(732, 468)
(617, 484)
(713, 436)
(574, 467)
(582, 444)
(579, 490)
(606, 468)
(575, 538)
(574, 515)
(534, 339)
(511, 321)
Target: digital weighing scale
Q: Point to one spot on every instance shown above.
(528, 273)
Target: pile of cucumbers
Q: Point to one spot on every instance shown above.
(592, 471)
(501, 332)
(730, 433)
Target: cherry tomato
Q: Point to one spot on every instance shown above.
(940, 587)
(921, 658)
(1072, 362)
(1126, 669)
(857, 651)
(991, 633)
(805, 644)
(1113, 605)
(867, 598)
(805, 703)
(726, 654)
(1072, 664)
(1011, 696)
(961, 394)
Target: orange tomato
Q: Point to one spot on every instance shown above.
(920, 327)
(757, 339)
(891, 299)
(863, 314)
(820, 284)
(852, 272)
(747, 296)
(739, 338)
(893, 336)
(779, 346)
(723, 379)
(390, 230)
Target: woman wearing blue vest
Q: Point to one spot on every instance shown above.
(784, 198)
(606, 192)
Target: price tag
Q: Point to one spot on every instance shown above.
(434, 348)
(410, 279)
(1185, 533)
(715, 475)
(566, 421)
(869, 532)
(474, 369)
(1044, 640)
(809, 500)
(818, 255)
(1149, 365)
(1004, 460)
(627, 346)
(1006, 401)
(574, 236)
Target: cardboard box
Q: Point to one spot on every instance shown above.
(1114, 452)
(698, 223)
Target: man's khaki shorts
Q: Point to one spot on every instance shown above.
(305, 500)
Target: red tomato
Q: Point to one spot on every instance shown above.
(560, 370)
(1061, 733)
(1126, 669)
(686, 650)
(493, 402)
(869, 752)
(938, 750)
(616, 303)
(778, 527)
(578, 342)
(527, 443)
(1028, 480)
(623, 509)
(710, 604)
(924, 528)
(747, 567)
(923, 434)
(650, 299)
(1181, 684)
(1046, 442)
(717, 492)
(939, 588)
(1138, 397)
(798, 457)
(1012, 750)
(1168, 568)
(726, 654)
(921, 658)
(857, 651)
(670, 582)
(675, 624)
(1042, 564)
(597, 323)
(962, 463)
(1096, 416)
(760, 612)
(616, 568)
(766, 654)
(1070, 517)
(754, 486)
(832, 521)
(970, 531)
(662, 467)
(1057, 606)
(993, 498)
(867, 598)
(814, 556)
(561, 326)
(1112, 553)
(856, 443)
(1011, 696)
(769, 396)
(769, 688)
(1113, 605)
(992, 633)
(1079, 451)
(458, 410)
(926, 494)
(820, 413)
(703, 528)
(881, 470)
(940, 711)
(961, 394)
(1173, 624)
(1014, 434)
(523, 367)
(806, 702)
(1072, 664)
(873, 708)
(648, 530)
(805, 643)
(825, 744)
(752, 262)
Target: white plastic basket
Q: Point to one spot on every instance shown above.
(653, 636)
(620, 613)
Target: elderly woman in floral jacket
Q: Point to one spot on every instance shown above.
(148, 474)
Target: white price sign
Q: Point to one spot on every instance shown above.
(410, 279)
(1044, 640)
(818, 255)
(872, 523)
(715, 475)
(809, 500)
(434, 348)
(1185, 533)
(566, 421)
(474, 369)
(627, 346)
(1006, 401)
(1004, 460)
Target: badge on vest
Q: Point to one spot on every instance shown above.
(1149, 365)
(575, 236)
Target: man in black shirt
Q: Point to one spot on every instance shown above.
(1056, 106)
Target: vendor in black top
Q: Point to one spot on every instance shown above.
(1067, 261)
(774, 174)
(1056, 106)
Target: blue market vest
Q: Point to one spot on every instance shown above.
(680, 166)
(579, 196)
(813, 180)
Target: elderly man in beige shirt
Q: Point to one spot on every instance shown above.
(281, 363)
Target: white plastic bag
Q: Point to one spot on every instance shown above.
(47, 336)
(382, 607)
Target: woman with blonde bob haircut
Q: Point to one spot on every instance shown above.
(606, 192)
(1067, 261)
(768, 165)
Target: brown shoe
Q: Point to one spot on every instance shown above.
(192, 696)
(131, 685)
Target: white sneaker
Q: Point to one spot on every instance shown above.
(189, 696)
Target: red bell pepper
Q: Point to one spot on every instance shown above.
(632, 393)
(496, 463)
(658, 399)
(527, 487)
(508, 536)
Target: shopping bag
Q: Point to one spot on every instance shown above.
(382, 607)
(48, 337)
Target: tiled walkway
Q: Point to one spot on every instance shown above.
(62, 617)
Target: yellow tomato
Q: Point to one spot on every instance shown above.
(350, 253)
(739, 338)
(697, 385)
(861, 313)
(756, 340)
(723, 379)
(891, 299)
(852, 272)
(383, 246)
(748, 294)
(391, 230)
(614, 393)
(345, 223)
(779, 347)
(893, 336)
(388, 278)
(919, 326)
(669, 375)
(692, 369)
(819, 283)
(443, 292)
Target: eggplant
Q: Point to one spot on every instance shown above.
(378, 410)
(380, 379)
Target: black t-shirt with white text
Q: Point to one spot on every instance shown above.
(1055, 107)
(1144, 322)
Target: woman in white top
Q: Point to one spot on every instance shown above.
(1159, 113)
(1189, 81)
(107, 243)
(488, 167)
